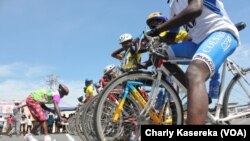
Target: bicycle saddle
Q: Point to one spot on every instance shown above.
(240, 26)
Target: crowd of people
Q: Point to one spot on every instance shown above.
(36, 102)
(22, 125)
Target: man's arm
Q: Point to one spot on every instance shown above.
(116, 54)
(46, 108)
(57, 111)
(192, 11)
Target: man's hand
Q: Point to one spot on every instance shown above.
(63, 120)
(153, 32)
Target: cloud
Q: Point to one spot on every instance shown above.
(17, 89)
(18, 80)
(22, 70)
(75, 91)
(11, 90)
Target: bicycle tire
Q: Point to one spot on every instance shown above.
(241, 102)
(71, 127)
(87, 117)
(140, 77)
(79, 122)
(122, 130)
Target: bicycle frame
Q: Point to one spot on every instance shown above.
(235, 70)
(161, 70)
(130, 88)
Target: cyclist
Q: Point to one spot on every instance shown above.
(128, 53)
(36, 103)
(172, 36)
(108, 74)
(214, 38)
(169, 37)
(88, 90)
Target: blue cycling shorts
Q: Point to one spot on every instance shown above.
(213, 50)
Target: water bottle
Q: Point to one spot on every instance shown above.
(214, 86)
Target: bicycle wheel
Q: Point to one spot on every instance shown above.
(79, 122)
(237, 98)
(71, 127)
(103, 117)
(87, 117)
(121, 130)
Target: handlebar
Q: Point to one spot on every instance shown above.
(154, 43)
(154, 46)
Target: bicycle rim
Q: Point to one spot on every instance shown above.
(87, 118)
(237, 100)
(146, 79)
(79, 122)
(71, 127)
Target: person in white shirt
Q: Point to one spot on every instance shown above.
(214, 38)
(23, 123)
(29, 124)
(1, 124)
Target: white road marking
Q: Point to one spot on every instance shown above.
(70, 138)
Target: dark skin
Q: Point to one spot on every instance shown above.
(117, 53)
(197, 72)
(44, 123)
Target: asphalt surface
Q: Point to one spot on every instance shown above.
(55, 137)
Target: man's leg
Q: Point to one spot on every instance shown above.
(197, 74)
(18, 124)
(208, 58)
(1, 130)
(45, 128)
(11, 130)
(35, 127)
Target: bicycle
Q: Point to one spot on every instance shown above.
(136, 87)
(87, 114)
(71, 126)
(155, 80)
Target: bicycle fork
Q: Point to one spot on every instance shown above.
(131, 89)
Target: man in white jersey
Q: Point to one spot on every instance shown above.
(214, 38)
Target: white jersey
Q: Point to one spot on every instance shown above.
(213, 18)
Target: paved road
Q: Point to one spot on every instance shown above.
(55, 137)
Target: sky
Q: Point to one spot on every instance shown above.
(74, 39)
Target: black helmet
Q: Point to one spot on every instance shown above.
(63, 89)
(88, 81)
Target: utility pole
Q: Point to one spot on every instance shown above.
(52, 81)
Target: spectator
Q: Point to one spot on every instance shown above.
(1, 125)
(58, 125)
(10, 122)
(50, 123)
(29, 124)
(17, 118)
(64, 126)
(23, 123)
